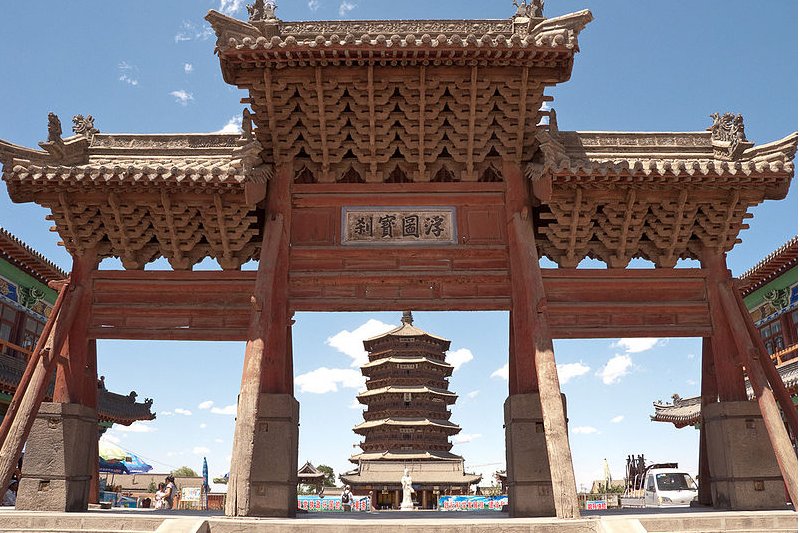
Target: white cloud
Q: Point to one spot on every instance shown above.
(584, 430)
(691, 355)
(181, 411)
(691, 382)
(234, 125)
(227, 410)
(136, 427)
(346, 7)
(189, 31)
(206, 404)
(128, 73)
(203, 425)
(568, 371)
(200, 450)
(166, 413)
(219, 441)
(465, 438)
(474, 394)
(112, 439)
(188, 68)
(324, 380)
(459, 357)
(351, 343)
(617, 419)
(182, 97)
(313, 5)
(638, 345)
(230, 7)
(355, 404)
(501, 372)
(615, 369)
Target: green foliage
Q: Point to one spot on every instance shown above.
(184, 471)
(330, 477)
(152, 487)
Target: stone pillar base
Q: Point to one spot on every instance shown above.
(273, 473)
(744, 472)
(530, 487)
(59, 459)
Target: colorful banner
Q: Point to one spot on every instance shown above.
(472, 503)
(596, 505)
(315, 504)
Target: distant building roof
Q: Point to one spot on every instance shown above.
(770, 267)
(684, 412)
(27, 259)
(422, 473)
(406, 329)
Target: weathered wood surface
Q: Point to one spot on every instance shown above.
(708, 395)
(778, 436)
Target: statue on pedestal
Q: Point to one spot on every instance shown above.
(408, 490)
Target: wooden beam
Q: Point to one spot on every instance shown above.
(708, 395)
(423, 87)
(778, 436)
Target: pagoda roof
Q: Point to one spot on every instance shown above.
(111, 407)
(518, 40)
(406, 329)
(770, 267)
(687, 411)
(431, 472)
(410, 455)
(309, 472)
(398, 359)
(406, 422)
(400, 389)
(107, 162)
(27, 259)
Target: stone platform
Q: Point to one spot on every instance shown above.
(140, 521)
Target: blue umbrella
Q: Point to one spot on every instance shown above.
(113, 467)
(205, 474)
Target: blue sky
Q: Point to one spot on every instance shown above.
(644, 66)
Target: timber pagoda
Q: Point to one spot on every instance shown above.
(407, 421)
(402, 165)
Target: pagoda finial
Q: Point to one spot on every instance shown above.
(407, 318)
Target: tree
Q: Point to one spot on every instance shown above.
(184, 471)
(330, 478)
(151, 487)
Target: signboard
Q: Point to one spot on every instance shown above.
(472, 503)
(596, 505)
(315, 504)
(398, 225)
(191, 494)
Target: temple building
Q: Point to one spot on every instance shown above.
(407, 421)
(769, 290)
(25, 304)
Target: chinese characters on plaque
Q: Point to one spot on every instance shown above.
(398, 225)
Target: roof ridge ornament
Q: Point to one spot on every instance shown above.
(84, 126)
(534, 9)
(262, 10)
(727, 136)
(407, 318)
(53, 128)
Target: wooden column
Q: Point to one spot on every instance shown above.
(266, 356)
(708, 395)
(529, 305)
(727, 365)
(778, 436)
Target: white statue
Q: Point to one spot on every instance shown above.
(408, 490)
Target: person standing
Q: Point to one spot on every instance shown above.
(347, 499)
(169, 492)
(10, 498)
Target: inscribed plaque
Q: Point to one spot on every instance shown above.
(398, 225)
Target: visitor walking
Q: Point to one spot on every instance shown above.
(169, 491)
(10, 498)
(347, 499)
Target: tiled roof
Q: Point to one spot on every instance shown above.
(661, 158)
(111, 407)
(407, 422)
(398, 359)
(770, 267)
(422, 473)
(412, 455)
(27, 259)
(686, 411)
(398, 389)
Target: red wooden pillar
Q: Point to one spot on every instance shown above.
(532, 362)
(264, 463)
(708, 395)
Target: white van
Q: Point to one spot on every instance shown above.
(661, 486)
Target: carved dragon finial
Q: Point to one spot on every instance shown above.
(53, 128)
(407, 318)
(84, 126)
(534, 9)
(262, 10)
(729, 128)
